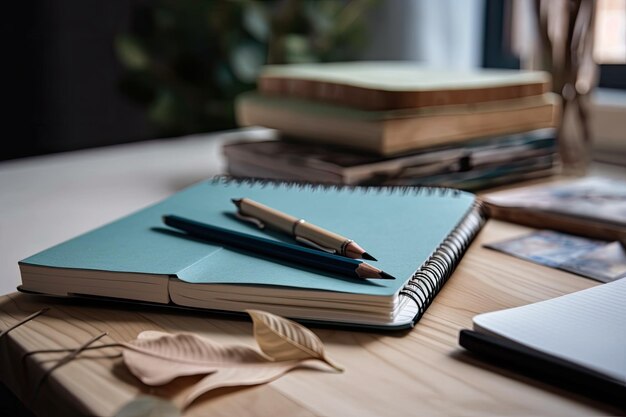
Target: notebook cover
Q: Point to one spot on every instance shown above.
(594, 207)
(401, 227)
(545, 367)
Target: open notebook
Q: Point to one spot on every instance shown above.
(576, 340)
(138, 258)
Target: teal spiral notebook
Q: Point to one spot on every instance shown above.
(418, 235)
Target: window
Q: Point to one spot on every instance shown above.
(610, 32)
(609, 39)
(610, 42)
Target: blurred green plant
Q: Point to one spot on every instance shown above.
(186, 60)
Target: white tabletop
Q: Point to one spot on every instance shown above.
(47, 199)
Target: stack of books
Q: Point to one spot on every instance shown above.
(397, 123)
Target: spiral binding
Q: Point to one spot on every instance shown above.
(428, 280)
(430, 277)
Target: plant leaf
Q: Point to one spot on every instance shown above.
(283, 339)
(131, 53)
(246, 60)
(157, 358)
(151, 334)
(256, 21)
(239, 376)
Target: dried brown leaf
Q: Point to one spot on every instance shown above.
(239, 376)
(282, 339)
(157, 358)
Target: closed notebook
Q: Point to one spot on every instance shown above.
(138, 258)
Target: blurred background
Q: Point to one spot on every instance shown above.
(83, 73)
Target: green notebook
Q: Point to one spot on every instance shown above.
(417, 234)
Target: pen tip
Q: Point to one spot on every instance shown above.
(385, 275)
(236, 201)
(367, 256)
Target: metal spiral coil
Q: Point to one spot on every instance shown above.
(428, 280)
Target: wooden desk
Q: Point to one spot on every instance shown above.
(422, 372)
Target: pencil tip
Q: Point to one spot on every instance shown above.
(367, 256)
(236, 201)
(385, 275)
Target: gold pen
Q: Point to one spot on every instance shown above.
(304, 232)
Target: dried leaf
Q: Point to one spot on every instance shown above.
(157, 358)
(151, 334)
(239, 376)
(283, 339)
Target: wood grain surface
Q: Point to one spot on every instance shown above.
(419, 372)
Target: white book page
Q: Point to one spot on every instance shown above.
(587, 327)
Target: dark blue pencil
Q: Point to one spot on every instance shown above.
(285, 251)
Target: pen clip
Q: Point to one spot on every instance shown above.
(250, 219)
(314, 245)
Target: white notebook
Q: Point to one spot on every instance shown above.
(587, 328)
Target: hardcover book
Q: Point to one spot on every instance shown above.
(593, 207)
(466, 165)
(388, 85)
(394, 132)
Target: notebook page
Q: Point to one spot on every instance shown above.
(587, 327)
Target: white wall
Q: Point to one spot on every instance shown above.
(443, 33)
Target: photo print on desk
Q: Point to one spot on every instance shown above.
(596, 259)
